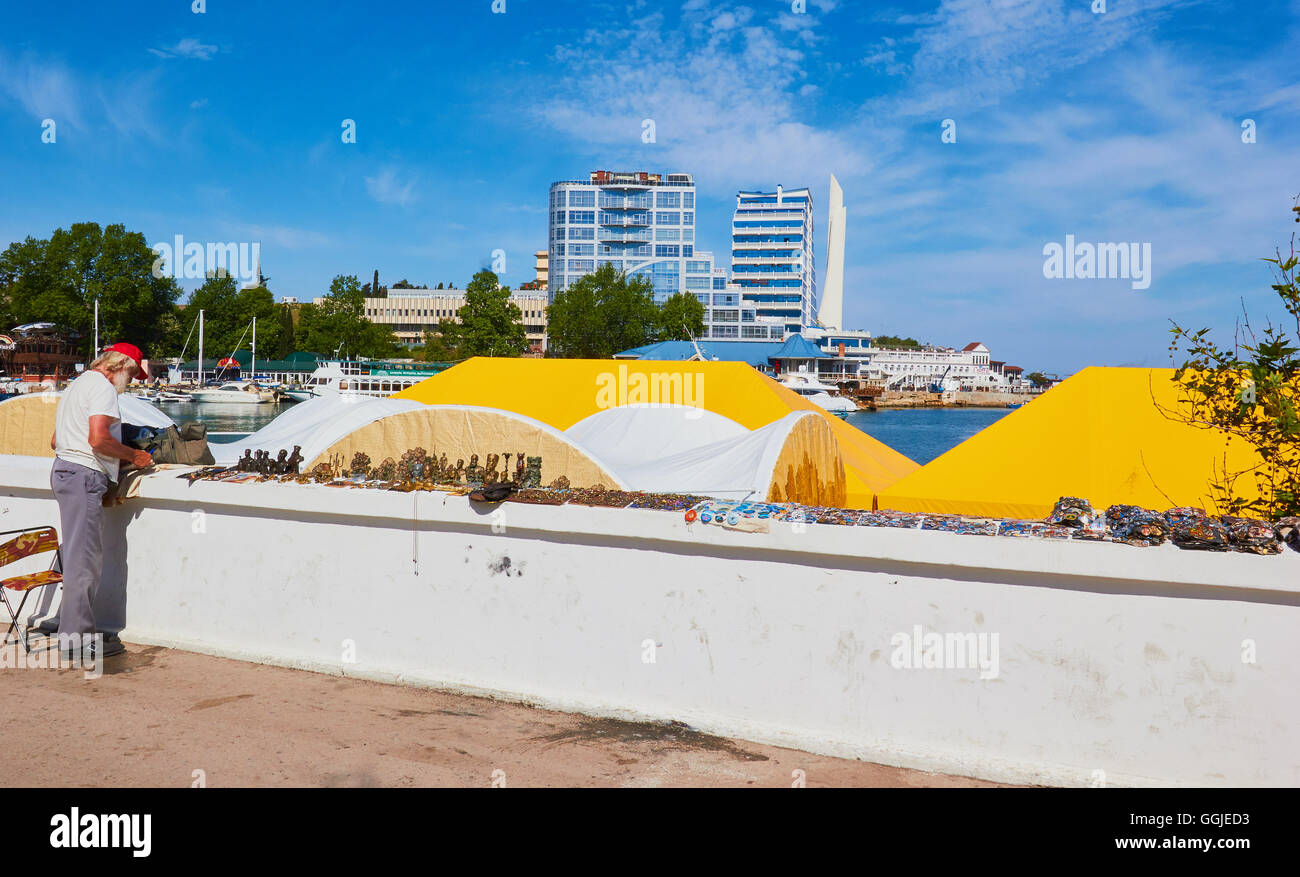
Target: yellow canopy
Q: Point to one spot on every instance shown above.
(1099, 435)
(560, 392)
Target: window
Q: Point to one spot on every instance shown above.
(582, 249)
(697, 283)
(581, 265)
(582, 217)
(702, 299)
(688, 219)
(753, 331)
(727, 316)
(666, 251)
(558, 217)
(668, 234)
(688, 251)
(688, 200)
(668, 199)
(698, 267)
(729, 299)
(582, 234)
(557, 250)
(582, 198)
(725, 331)
(668, 218)
(688, 234)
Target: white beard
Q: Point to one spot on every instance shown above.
(121, 380)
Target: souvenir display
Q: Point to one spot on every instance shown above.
(960, 525)
(598, 495)
(1177, 516)
(666, 502)
(1251, 535)
(1200, 534)
(538, 496)
(1288, 531)
(1071, 511)
(498, 481)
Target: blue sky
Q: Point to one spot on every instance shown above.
(1123, 126)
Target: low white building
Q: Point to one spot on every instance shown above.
(911, 368)
(409, 312)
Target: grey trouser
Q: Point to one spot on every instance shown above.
(79, 491)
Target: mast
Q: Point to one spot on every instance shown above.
(252, 363)
(95, 353)
(200, 348)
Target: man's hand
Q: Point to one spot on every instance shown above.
(101, 439)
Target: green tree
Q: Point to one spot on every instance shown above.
(894, 341)
(490, 323)
(442, 345)
(1250, 390)
(601, 314)
(680, 318)
(58, 279)
(340, 319)
(1038, 379)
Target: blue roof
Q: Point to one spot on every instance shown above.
(799, 347)
(756, 353)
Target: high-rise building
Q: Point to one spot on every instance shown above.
(772, 256)
(641, 223)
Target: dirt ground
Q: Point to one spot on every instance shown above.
(161, 717)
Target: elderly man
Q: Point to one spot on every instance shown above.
(87, 445)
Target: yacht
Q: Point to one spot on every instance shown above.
(816, 392)
(236, 392)
(330, 379)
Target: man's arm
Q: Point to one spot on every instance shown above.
(101, 439)
(53, 445)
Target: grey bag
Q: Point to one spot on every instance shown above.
(188, 445)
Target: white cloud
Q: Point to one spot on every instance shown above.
(386, 188)
(187, 48)
(725, 110)
(43, 89)
(198, 104)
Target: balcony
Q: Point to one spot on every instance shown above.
(767, 245)
(764, 260)
(640, 221)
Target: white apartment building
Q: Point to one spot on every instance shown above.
(409, 312)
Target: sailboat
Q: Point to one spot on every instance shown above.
(235, 392)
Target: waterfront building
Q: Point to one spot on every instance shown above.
(409, 312)
(641, 223)
(772, 262)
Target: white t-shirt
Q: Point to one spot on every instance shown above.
(88, 395)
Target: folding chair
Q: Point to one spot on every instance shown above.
(33, 540)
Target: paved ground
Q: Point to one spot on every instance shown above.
(158, 715)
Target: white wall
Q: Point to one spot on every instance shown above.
(1112, 658)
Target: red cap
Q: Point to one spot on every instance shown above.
(133, 353)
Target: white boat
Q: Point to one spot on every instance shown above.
(236, 392)
(815, 391)
(331, 378)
